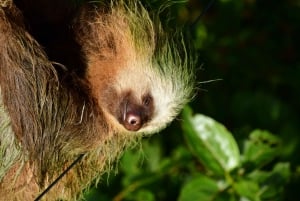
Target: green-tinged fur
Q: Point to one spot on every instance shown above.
(10, 151)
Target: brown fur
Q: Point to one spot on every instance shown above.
(51, 114)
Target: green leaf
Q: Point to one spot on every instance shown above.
(261, 148)
(199, 188)
(212, 143)
(272, 183)
(247, 189)
(144, 195)
(284, 170)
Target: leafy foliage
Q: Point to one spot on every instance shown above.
(211, 169)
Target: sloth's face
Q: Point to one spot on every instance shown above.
(123, 95)
(130, 108)
(134, 112)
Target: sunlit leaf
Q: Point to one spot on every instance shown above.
(211, 142)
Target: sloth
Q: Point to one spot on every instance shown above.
(131, 80)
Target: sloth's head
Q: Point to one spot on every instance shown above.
(139, 79)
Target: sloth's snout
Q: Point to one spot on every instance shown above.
(133, 120)
(133, 113)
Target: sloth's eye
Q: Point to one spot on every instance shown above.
(147, 100)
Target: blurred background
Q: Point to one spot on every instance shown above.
(249, 77)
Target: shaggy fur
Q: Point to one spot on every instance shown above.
(49, 114)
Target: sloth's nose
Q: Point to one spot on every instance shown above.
(134, 114)
(132, 121)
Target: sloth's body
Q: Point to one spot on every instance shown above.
(130, 83)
